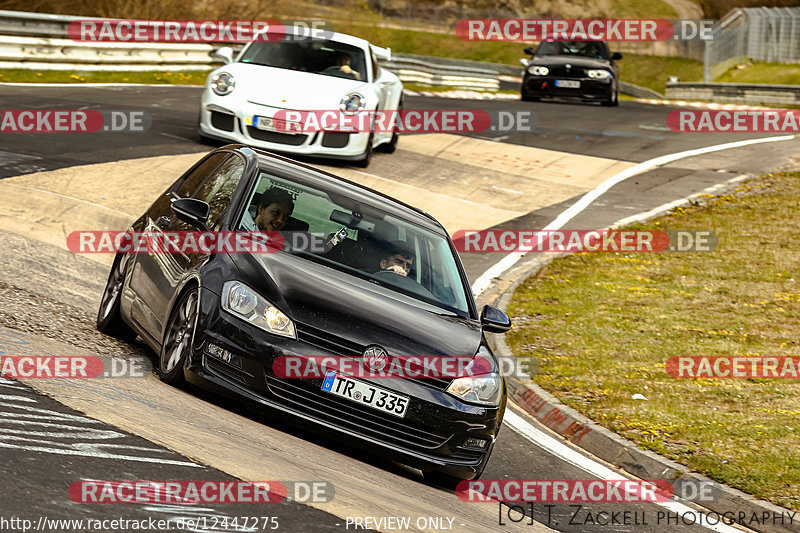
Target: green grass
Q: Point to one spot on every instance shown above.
(602, 327)
(763, 73)
(58, 76)
(654, 71)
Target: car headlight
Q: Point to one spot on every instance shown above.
(353, 102)
(223, 83)
(242, 301)
(539, 71)
(482, 383)
(599, 74)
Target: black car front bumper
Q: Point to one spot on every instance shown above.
(431, 435)
(591, 89)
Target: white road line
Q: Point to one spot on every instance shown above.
(568, 455)
(117, 211)
(496, 270)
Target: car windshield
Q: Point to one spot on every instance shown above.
(328, 58)
(345, 234)
(593, 49)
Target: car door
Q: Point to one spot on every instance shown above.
(158, 274)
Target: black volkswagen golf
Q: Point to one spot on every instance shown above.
(572, 69)
(360, 278)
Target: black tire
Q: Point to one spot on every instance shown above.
(612, 101)
(178, 338)
(391, 146)
(526, 98)
(364, 163)
(109, 319)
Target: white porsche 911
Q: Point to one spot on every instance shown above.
(339, 72)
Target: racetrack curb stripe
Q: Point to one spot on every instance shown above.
(604, 443)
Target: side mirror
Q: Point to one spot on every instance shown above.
(528, 50)
(616, 56)
(494, 320)
(224, 54)
(192, 211)
(523, 61)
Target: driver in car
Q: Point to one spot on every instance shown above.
(274, 210)
(397, 257)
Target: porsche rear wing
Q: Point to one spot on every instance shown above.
(381, 53)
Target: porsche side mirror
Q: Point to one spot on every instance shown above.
(224, 54)
(494, 320)
(192, 211)
(528, 50)
(616, 56)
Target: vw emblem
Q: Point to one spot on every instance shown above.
(375, 357)
(568, 66)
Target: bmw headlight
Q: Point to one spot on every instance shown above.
(539, 71)
(223, 83)
(242, 301)
(599, 74)
(482, 383)
(353, 102)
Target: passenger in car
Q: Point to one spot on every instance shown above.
(397, 257)
(274, 210)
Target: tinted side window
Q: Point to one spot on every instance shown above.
(218, 189)
(198, 175)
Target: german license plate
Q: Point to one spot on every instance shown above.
(568, 84)
(366, 394)
(275, 124)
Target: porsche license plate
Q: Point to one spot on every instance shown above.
(364, 393)
(275, 124)
(568, 84)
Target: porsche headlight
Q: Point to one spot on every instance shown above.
(353, 102)
(599, 74)
(482, 383)
(539, 71)
(223, 83)
(242, 301)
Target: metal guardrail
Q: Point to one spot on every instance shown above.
(425, 72)
(636, 91)
(38, 41)
(736, 93)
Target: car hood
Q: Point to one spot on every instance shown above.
(292, 89)
(357, 311)
(575, 61)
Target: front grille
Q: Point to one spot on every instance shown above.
(276, 136)
(574, 72)
(328, 342)
(224, 370)
(222, 121)
(335, 139)
(354, 417)
(343, 347)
